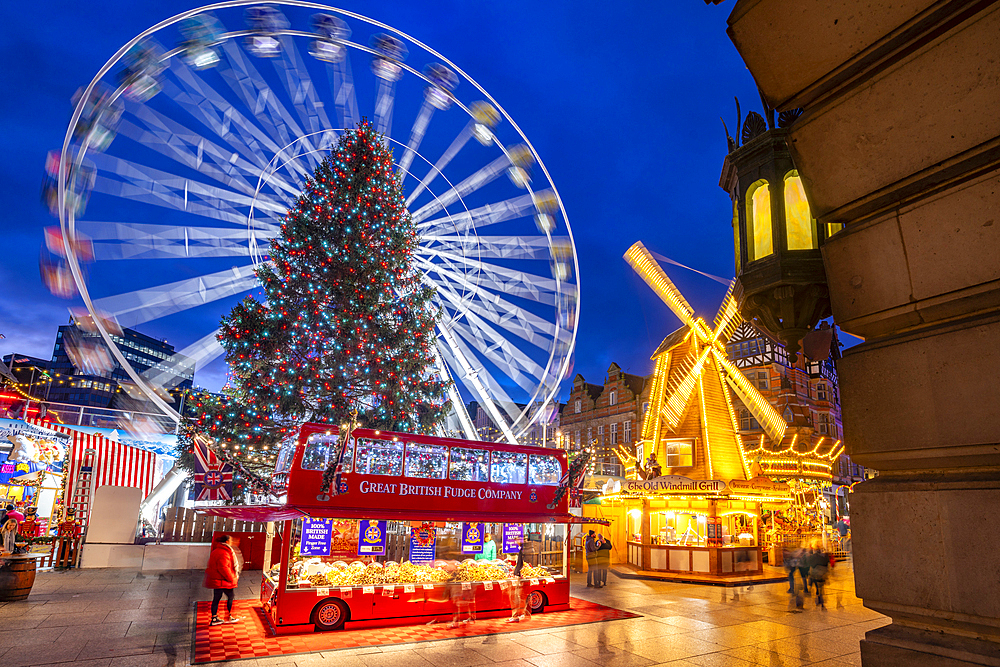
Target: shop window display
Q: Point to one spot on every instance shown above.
(544, 470)
(379, 457)
(508, 468)
(427, 461)
(469, 465)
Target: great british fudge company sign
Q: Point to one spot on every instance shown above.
(439, 490)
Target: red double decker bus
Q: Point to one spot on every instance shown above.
(407, 521)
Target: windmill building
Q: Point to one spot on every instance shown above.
(696, 505)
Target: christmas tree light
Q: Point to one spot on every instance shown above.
(344, 323)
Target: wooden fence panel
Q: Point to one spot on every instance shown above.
(183, 524)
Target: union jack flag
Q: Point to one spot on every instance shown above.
(213, 479)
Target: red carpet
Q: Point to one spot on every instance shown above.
(251, 638)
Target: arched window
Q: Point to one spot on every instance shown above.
(736, 234)
(759, 220)
(800, 227)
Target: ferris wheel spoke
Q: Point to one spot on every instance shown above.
(136, 240)
(182, 365)
(489, 214)
(155, 302)
(456, 145)
(384, 102)
(492, 247)
(417, 133)
(498, 350)
(458, 411)
(341, 82)
(483, 387)
(301, 89)
(153, 186)
(484, 176)
(232, 166)
(498, 278)
(246, 138)
(260, 100)
(525, 325)
(192, 150)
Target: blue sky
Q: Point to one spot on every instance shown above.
(622, 104)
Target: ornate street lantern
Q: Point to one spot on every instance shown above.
(780, 280)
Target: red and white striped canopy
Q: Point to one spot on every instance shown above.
(113, 463)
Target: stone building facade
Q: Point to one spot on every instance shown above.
(805, 389)
(605, 416)
(899, 140)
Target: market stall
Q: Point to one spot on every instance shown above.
(405, 536)
(679, 525)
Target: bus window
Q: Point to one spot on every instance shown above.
(544, 470)
(318, 448)
(379, 457)
(286, 454)
(469, 465)
(429, 461)
(508, 468)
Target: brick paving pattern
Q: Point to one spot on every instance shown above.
(118, 618)
(250, 638)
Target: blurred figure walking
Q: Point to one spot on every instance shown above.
(819, 570)
(590, 548)
(603, 560)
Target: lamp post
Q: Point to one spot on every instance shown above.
(780, 280)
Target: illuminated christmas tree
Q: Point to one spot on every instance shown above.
(345, 321)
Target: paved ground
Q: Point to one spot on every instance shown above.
(116, 618)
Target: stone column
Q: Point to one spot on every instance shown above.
(900, 139)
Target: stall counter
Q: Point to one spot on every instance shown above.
(719, 561)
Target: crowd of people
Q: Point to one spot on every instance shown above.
(813, 565)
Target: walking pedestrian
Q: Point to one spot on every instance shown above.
(803, 567)
(222, 575)
(590, 547)
(603, 559)
(519, 610)
(791, 560)
(819, 569)
(462, 599)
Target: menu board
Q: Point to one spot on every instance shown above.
(423, 542)
(316, 534)
(472, 538)
(513, 535)
(371, 538)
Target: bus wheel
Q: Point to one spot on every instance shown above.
(330, 615)
(536, 601)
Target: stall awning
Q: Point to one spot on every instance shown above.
(282, 512)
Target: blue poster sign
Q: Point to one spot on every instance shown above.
(513, 535)
(371, 538)
(472, 538)
(316, 537)
(423, 542)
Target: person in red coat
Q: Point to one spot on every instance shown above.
(222, 575)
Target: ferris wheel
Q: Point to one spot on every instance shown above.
(189, 145)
